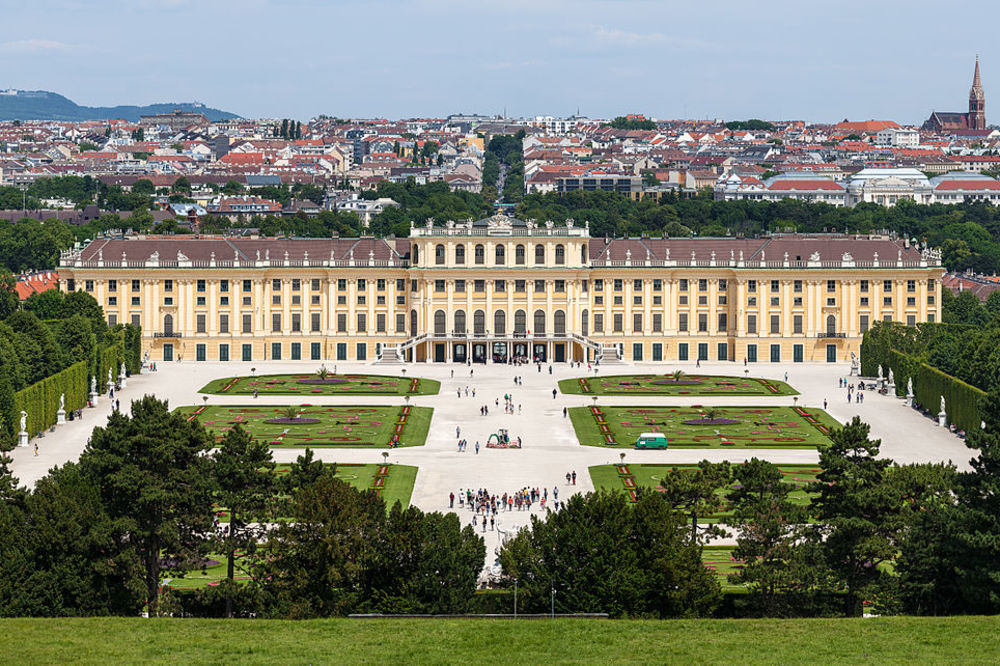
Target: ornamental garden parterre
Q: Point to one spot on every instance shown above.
(676, 383)
(314, 426)
(322, 383)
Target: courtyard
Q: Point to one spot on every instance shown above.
(312, 426)
(551, 448)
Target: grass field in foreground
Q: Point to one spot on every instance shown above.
(649, 476)
(696, 385)
(307, 384)
(901, 640)
(341, 426)
(738, 427)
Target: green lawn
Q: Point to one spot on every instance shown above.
(649, 476)
(309, 383)
(895, 640)
(343, 426)
(695, 385)
(719, 560)
(754, 427)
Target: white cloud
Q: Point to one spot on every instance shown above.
(34, 46)
(626, 38)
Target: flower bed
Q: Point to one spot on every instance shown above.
(295, 421)
(717, 421)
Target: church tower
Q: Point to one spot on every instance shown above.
(977, 102)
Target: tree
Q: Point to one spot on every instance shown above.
(979, 506)
(156, 483)
(181, 185)
(775, 568)
(698, 493)
(245, 482)
(857, 512)
(143, 186)
(9, 300)
(81, 564)
(602, 554)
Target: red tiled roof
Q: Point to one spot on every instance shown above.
(968, 185)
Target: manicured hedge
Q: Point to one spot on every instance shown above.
(41, 400)
(108, 357)
(929, 384)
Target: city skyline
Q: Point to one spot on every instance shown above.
(435, 57)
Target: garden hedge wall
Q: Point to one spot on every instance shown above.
(41, 400)
(108, 358)
(929, 384)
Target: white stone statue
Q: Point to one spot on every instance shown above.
(24, 421)
(93, 384)
(110, 380)
(909, 386)
(892, 380)
(942, 405)
(122, 372)
(62, 402)
(880, 371)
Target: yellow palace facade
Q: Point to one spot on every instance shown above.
(500, 289)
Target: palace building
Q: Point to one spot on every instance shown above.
(496, 289)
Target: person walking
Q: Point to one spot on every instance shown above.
(574, 477)
(477, 447)
(458, 431)
(451, 501)
(824, 403)
(553, 394)
(565, 412)
(36, 449)
(567, 478)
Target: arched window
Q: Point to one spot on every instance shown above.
(460, 322)
(416, 254)
(440, 322)
(585, 322)
(459, 254)
(559, 322)
(831, 324)
(413, 323)
(519, 255)
(583, 254)
(499, 323)
(439, 255)
(480, 254)
(479, 322)
(168, 324)
(560, 255)
(539, 254)
(520, 322)
(539, 322)
(501, 255)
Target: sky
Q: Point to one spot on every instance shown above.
(772, 59)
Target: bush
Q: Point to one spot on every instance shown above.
(41, 399)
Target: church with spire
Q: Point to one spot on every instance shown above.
(974, 120)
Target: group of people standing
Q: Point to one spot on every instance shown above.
(486, 506)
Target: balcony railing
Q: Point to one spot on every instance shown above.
(168, 334)
(831, 334)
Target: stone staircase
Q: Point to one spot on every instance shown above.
(390, 356)
(608, 355)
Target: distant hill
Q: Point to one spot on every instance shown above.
(44, 105)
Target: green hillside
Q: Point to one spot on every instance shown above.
(967, 639)
(45, 105)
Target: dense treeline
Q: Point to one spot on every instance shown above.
(968, 235)
(877, 537)
(97, 537)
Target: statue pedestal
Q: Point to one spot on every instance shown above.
(121, 381)
(93, 399)
(61, 417)
(891, 389)
(942, 419)
(22, 438)
(909, 400)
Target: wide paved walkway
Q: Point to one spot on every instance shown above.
(550, 447)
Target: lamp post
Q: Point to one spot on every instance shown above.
(622, 457)
(515, 598)
(385, 457)
(746, 372)
(252, 371)
(795, 401)
(553, 607)
(204, 399)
